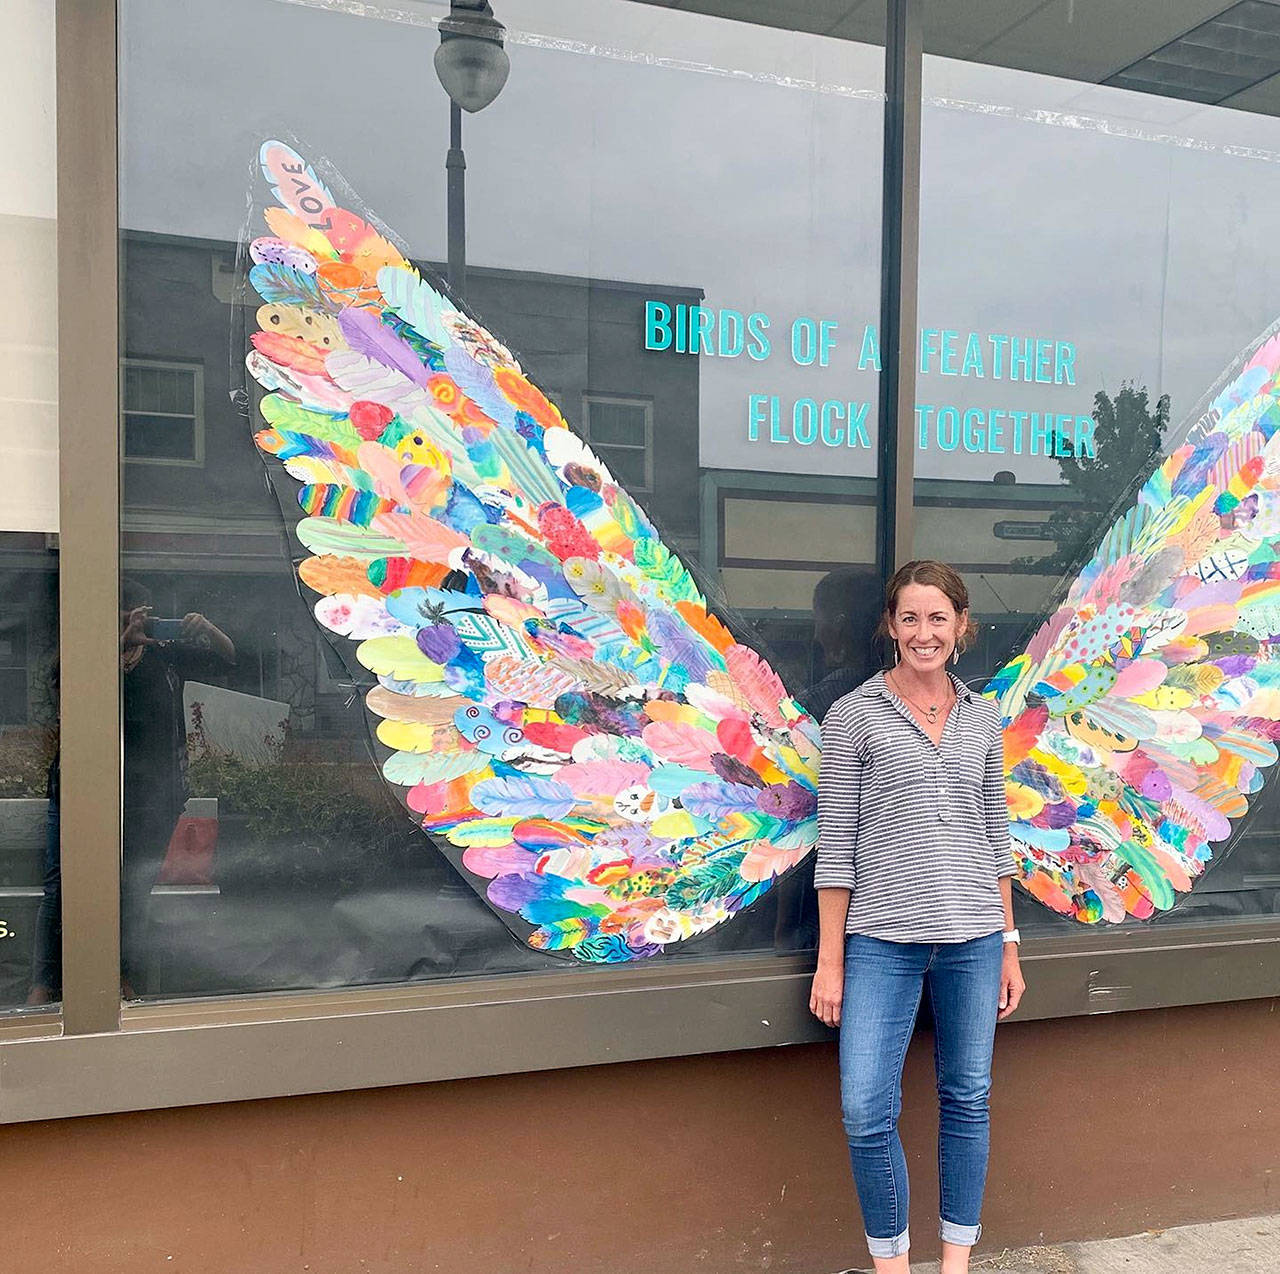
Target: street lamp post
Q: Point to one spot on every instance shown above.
(472, 66)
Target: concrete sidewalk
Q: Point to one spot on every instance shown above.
(1251, 1246)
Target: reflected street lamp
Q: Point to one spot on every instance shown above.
(472, 66)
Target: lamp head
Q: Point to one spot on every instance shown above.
(471, 62)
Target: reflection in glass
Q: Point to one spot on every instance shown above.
(289, 864)
(159, 655)
(1062, 358)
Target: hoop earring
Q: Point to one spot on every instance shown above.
(895, 654)
(955, 654)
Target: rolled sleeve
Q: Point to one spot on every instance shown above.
(839, 791)
(997, 807)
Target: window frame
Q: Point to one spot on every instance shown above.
(196, 460)
(95, 1055)
(22, 618)
(592, 396)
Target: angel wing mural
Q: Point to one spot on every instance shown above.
(556, 701)
(1144, 711)
(555, 698)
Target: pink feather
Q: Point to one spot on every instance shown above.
(423, 537)
(759, 684)
(1139, 677)
(602, 778)
(681, 744)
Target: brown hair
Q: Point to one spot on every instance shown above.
(942, 577)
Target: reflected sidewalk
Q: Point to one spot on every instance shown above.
(1249, 1246)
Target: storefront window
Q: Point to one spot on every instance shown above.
(673, 221)
(30, 909)
(1092, 258)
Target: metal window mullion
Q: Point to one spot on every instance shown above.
(89, 492)
(899, 263)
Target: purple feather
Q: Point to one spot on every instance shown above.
(715, 800)
(679, 645)
(732, 770)
(367, 334)
(439, 642)
(513, 892)
(788, 801)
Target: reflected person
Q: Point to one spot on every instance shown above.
(844, 621)
(156, 657)
(46, 954)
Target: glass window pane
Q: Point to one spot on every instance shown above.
(626, 465)
(614, 422)
(159, 389)
(30, 906)
(300, 812)
(158, 437)
(1071, 351)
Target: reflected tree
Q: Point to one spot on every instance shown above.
(1129, 434)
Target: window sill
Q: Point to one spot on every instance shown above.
(193, 1052)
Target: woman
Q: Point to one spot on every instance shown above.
(913, 873)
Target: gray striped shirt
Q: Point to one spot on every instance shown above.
(918, 834)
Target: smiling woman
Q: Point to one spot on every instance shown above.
(913, 876)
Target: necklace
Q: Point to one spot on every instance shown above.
(930, 712)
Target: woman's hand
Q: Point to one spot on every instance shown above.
(828, 993)
(1011, 984)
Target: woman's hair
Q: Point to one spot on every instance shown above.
(944, 578)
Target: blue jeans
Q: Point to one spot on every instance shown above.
(882, 988)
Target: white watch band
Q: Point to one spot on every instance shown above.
(1011, 935)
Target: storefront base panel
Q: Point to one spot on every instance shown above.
(1102, 1126)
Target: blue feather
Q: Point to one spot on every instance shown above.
(281, 285)
(529, 796)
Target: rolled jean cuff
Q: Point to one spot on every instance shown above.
(896, 1246)
(960, 1235)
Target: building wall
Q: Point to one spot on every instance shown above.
(1101, 1126)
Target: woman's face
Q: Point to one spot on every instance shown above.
(926, 627)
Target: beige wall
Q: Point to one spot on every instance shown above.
(1104, 1125)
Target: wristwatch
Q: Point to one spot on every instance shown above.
(1011, 935)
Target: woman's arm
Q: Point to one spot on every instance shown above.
(827, 992)
(835, 872)
(202, 634)
(1011, 984)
